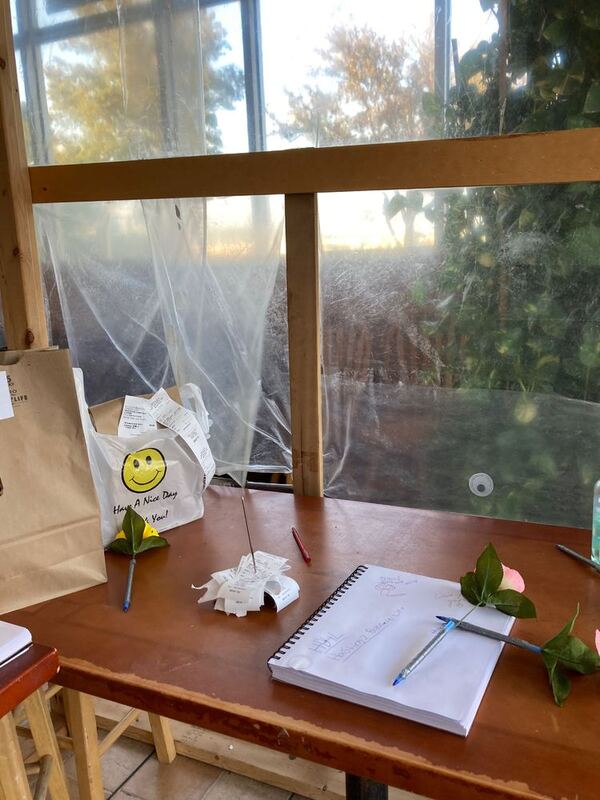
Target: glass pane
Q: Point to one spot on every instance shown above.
(345, 71)
(150, 293)
(334, 72)
(461, 346)
(105, 81)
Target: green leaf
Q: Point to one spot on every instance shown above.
(573, 654)
(513, 603)
(488, 572)
(561, 685)
(469, 588)
(591, 19)
(557, 33)
(470, 64)
(133, 528)
(592, 100)
(394, 205)
(151, 542)
(567, 652)
(121, 546)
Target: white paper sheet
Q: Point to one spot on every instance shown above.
(242, 588)
(355, 649)
(135, 417)
(6, 407)
(179, 419)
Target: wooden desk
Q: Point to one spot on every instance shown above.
(187, 662)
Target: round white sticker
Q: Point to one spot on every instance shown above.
(481, 484)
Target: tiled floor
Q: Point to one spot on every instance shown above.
(131, 772)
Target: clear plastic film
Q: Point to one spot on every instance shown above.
(461, 358)
(163, 291)
(146, 294)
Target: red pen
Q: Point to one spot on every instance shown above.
(301, 547)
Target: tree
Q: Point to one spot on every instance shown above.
(104, 93)
(515, 304)
(376, 92)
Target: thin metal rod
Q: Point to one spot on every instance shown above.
(248, 530)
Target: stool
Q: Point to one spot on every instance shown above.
(21, 681)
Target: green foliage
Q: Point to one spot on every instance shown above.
(566, 652)
(134, 542)
(482, 587)
(516, 304)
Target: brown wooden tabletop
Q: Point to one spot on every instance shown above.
(187, 662)
(21, 677)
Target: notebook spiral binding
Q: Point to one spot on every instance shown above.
(310, 621)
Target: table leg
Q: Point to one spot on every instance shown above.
(164, 743)
(13, 780)
(44, 738)
(358, 788)
(81, 720)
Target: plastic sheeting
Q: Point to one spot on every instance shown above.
(163, 291)
(464, 375)
(150, 293)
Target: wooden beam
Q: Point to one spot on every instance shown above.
(44, 738)
(13, 778)
(164, 744)
(20, 276)
(107, 742)
(304, 333)
(81, 722)
(550, 157)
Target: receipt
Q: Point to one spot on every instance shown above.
(241, 589)
(179, 419)
(135, 417)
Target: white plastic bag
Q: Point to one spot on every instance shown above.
(156, 473)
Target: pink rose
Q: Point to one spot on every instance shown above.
(598, 641)
(513, 580)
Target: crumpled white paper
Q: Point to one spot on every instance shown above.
(240, 589)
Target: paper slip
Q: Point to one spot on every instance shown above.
(135, 417)
(6, 408)
(241, 589)
(179, 419)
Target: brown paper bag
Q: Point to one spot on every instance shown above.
(50, 540)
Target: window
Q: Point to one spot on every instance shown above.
(440, 307)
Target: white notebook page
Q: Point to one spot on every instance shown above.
(374, 629)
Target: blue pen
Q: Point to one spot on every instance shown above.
(403, 674)
(499, 637)
(127, 600)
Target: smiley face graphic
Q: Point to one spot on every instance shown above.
(143, 470)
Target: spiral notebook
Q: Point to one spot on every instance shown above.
(368, 629)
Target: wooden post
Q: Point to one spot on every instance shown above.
(81, 720)
(45, 743)
(13, 779)
(304, 332)
(20, 276)
(164, 744)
